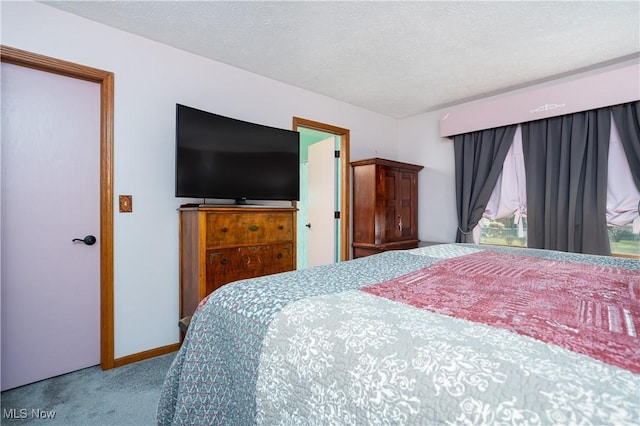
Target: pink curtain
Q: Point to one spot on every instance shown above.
(622, 195)
(509, 197)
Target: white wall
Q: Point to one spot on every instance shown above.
(150, 78)
(419, 142)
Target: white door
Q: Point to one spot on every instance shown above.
(50, 195)
(321, 230)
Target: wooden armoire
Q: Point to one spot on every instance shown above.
(385, 206)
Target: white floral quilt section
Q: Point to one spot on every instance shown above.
(354, 358)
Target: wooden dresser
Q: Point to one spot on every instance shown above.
(223, 244)
(385, 206)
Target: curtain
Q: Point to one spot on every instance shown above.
(566, 170)
(509, 196)
(627, 119)
(478, 162)
(623, 198)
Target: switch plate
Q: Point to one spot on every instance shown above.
(126, 205)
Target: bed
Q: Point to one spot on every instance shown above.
(446, 334)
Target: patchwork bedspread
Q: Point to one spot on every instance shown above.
(455, 334)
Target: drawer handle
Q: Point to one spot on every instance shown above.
(223, 261)
(253, 228)
(280, 227)
(224, 229)
(279, 256)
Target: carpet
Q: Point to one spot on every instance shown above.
(122, 396)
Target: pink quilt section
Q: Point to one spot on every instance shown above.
(589, 309)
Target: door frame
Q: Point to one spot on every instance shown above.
(345, 178)
(106, 81)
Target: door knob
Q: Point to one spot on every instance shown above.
(88, 240)
(308, 225)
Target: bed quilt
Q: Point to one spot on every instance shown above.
(447, 334)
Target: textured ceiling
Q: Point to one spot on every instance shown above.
(396, 58)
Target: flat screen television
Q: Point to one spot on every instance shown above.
(225, 158)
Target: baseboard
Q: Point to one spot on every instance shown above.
(141, 356)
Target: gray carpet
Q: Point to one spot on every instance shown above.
(122, 396)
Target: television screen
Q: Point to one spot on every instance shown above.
(225, 158)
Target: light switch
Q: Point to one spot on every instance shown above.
(126, 205)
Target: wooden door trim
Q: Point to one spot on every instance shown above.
(106, 81)
(345, 176)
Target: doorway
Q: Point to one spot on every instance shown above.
(312, 132)
(105, 80)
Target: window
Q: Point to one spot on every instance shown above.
(624, 242)
(504, 232)
(504, 220)
(623, 201)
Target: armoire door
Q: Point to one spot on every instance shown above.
(400, 194)
(50, 197)
(406, 205)
(390, 178)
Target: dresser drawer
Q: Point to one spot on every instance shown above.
(230, 229)
(281, 257)
(232, 264)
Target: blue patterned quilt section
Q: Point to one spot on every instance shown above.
(213, 379)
